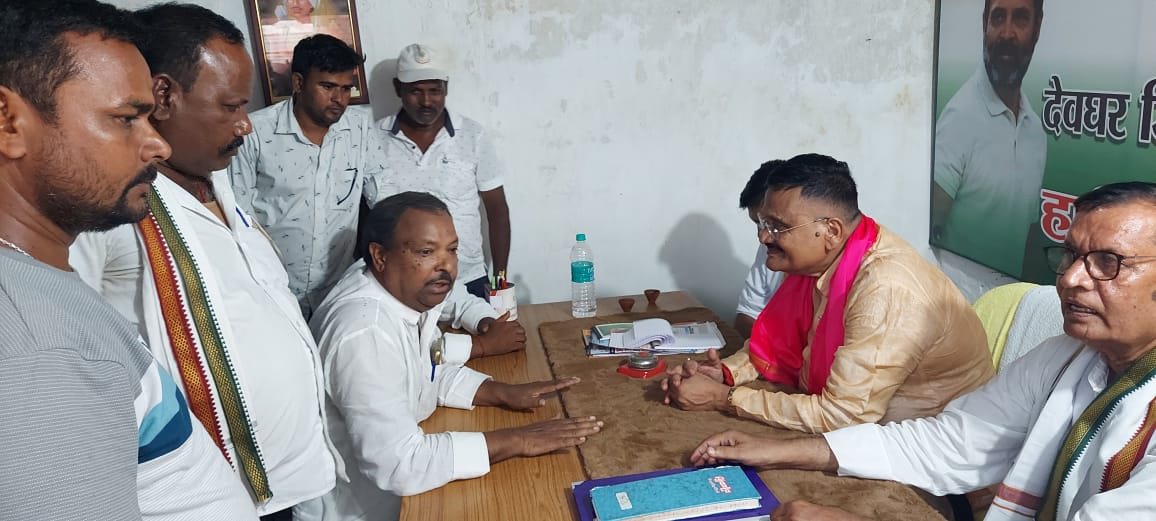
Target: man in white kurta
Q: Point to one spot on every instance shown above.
(275, 357)
(379, 341)
(1066, 430)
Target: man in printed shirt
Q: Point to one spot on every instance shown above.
(93, 428)
(205, 286)
(454, 159)
(308, 165)
(380, 344)
(862, 330)
(1066, 431)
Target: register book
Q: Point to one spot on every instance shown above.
(709, 493)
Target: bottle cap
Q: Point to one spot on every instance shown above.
(580, 237)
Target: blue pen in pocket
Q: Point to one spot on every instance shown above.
(435, 356)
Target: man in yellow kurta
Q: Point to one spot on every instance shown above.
(863, 329)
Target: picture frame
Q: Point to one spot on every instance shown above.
(277, 26)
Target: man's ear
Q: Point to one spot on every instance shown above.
(378, 253)
(834, 231)
(16, 118)
(165, 92)
(298, 82)
(446, 88)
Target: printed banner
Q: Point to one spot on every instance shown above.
(1037, 102)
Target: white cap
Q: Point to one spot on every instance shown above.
(418, 62)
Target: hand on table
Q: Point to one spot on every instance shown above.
(500, 336)
(695, 393)
(520, 396)
(540, 438)
(711, 368)
(806, 453)
(799, 510)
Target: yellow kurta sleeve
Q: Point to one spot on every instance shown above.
(740, 366)
(887, 328)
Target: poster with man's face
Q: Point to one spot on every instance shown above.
(1037, 102)
(280, 24)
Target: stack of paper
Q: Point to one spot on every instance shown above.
(652, 334)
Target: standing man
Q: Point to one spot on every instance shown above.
(204, 284)
(990, 146)
(308, 165)
(761, 282)
(453, 159)
(1067, 430)
(92, 427)
(385, 370)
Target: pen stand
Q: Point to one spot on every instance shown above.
(642, 365)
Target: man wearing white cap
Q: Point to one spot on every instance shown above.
(454, 159)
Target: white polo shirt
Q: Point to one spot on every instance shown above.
(380, 383)
(992, 165)
(459, 164)
(308, 196)
(760, 285)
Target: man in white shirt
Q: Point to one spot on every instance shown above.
(990, 147)
(308, 165)
(761, 281)
(385, 373)
(454, 159)
(93, 428)
(1067, 430)
(203, 283)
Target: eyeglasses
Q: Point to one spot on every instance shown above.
(1101, 265)
(777, 233)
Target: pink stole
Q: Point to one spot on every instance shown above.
(780, 332)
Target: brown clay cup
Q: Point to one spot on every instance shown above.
(652, 296)
(626, 304)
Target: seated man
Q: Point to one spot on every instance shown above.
(381, 349)
(862, 330)
(761, 281)
(1068, 428)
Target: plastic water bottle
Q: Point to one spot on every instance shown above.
(583, 303)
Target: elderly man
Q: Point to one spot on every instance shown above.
(454, 159)
(990, 146)
(1068, 428)
(761, 282)
(92, 427)
(203, 282)
(863, 329)
(383, 370)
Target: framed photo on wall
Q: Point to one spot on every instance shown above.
(279, 24)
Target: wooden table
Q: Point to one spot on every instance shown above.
(538, 489)
(531, 489)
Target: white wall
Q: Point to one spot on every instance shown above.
(638, 123)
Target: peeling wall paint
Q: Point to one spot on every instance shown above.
(638, 123)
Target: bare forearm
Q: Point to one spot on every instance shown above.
(503, 445)
(500, 241)
(810, 453)
(490, 393)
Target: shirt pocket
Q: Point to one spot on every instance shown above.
(345, 191)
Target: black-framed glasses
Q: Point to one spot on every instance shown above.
(777, 233)
(1100, 264)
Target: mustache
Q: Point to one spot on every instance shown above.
(442, 276)
(771, 248)
(233, 145)
(146, 176)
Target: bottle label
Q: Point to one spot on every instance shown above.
(581, 271)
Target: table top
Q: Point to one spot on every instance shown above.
(519, 488)
(539, 488)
